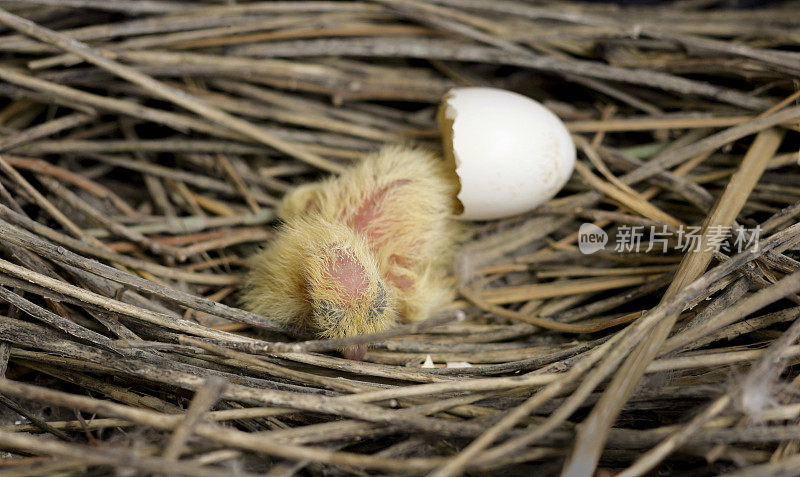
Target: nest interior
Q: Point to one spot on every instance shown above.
(145, 144)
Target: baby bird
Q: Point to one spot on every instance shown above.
(359, 252)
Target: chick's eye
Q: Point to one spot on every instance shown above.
(328, 311)
(378, 305)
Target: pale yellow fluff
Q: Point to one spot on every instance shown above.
(358, 252)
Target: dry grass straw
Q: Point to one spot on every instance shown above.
(144, 146)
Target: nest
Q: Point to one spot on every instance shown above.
(144, 145)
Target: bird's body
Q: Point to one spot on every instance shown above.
(358, 252)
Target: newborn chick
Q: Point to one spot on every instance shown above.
(358, 252)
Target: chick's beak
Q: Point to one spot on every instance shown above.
(355, 353)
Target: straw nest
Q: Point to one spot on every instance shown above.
(144, 145)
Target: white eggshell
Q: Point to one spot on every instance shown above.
(511, 153)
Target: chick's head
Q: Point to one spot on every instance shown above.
(347, 294)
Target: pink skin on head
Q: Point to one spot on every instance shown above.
(347, 275)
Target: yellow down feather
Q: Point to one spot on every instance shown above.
(383, 228)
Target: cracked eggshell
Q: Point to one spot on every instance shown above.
(510, 153)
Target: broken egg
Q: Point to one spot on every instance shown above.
(511, 154)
